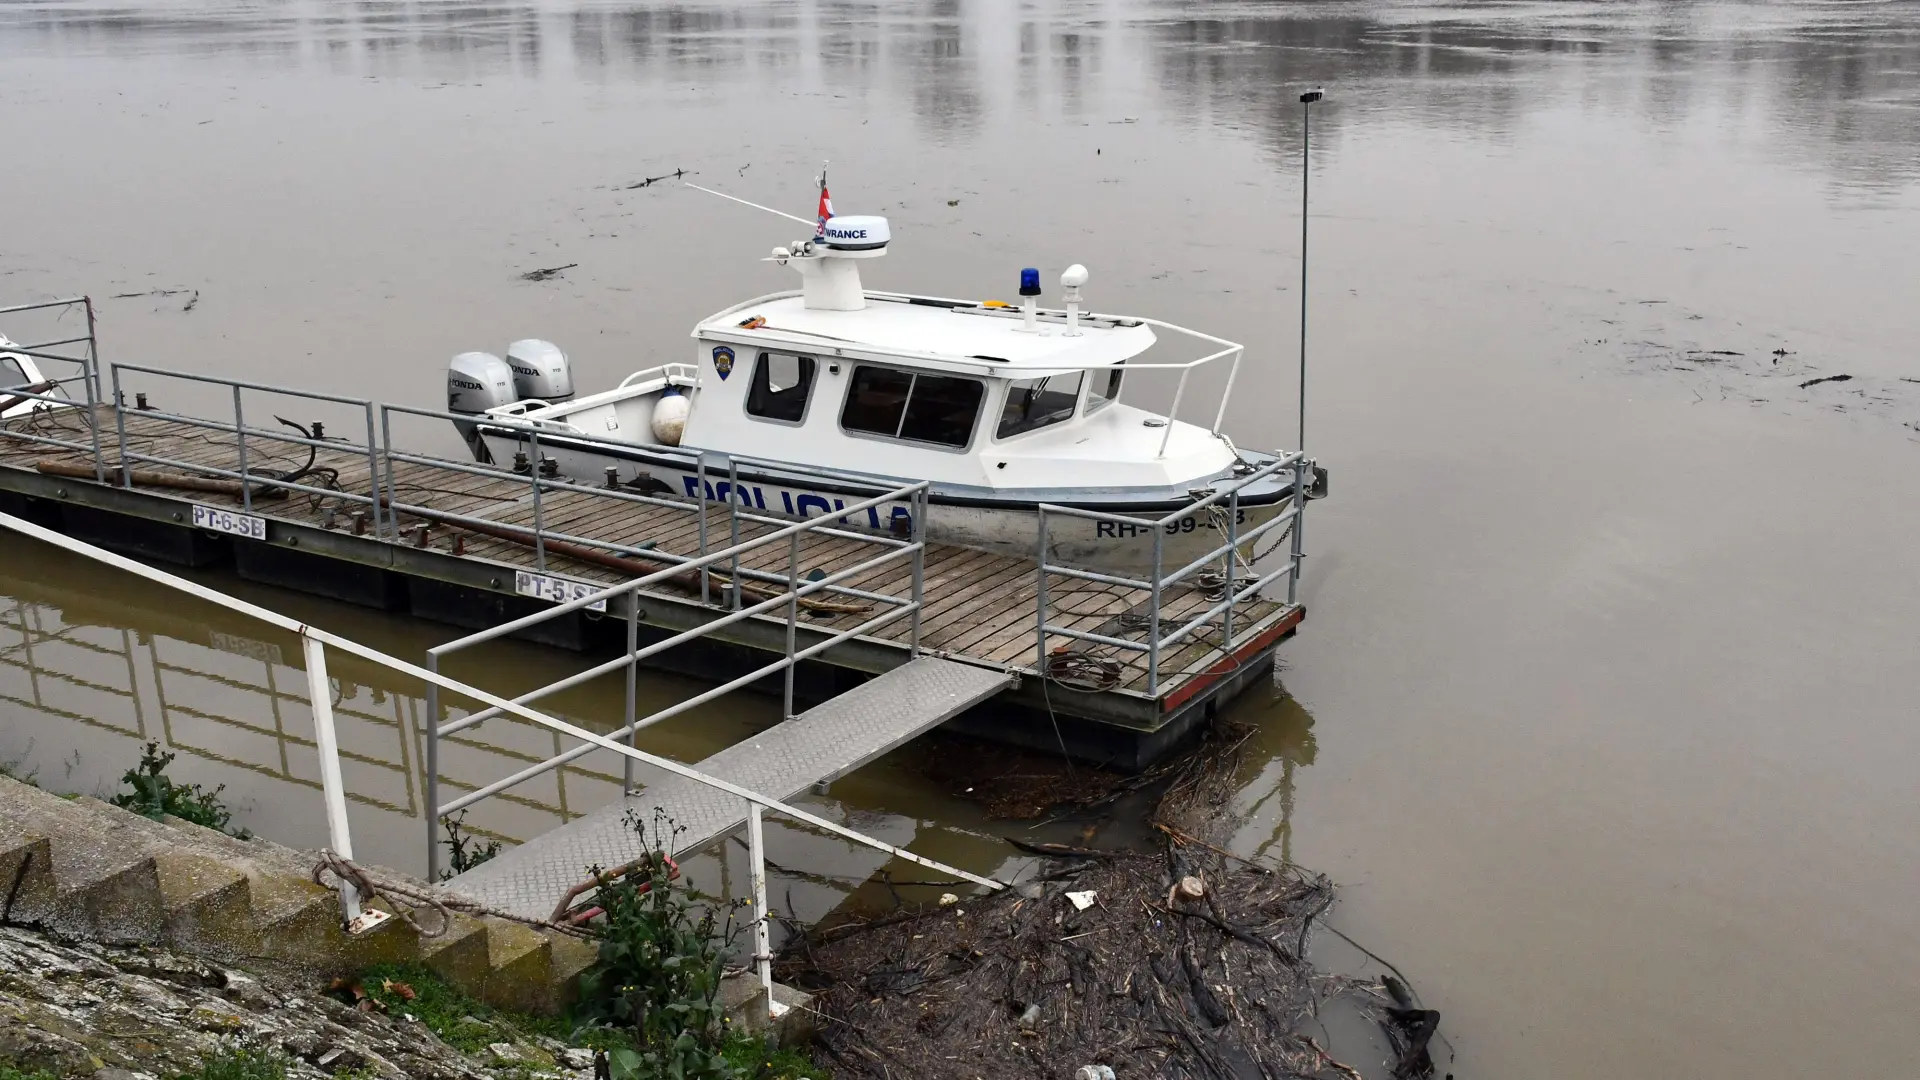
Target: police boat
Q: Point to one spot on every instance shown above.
(819, 393)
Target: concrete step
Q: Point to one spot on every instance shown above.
(519, 964)
(92, 870)
(208, 906)
(27, 888)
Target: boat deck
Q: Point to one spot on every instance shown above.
(980, 606)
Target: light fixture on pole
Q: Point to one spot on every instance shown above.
(1306, 145)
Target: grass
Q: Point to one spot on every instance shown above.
(469, 1025)
(9, 1072)
(240, 1063)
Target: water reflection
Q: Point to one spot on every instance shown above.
(1845, 80)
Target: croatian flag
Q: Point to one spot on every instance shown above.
(826, 210)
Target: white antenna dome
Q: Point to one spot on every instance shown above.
(856, 232)
(1074, 276)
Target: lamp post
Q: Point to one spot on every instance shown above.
(1306, 145)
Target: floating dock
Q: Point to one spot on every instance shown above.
(358, 519)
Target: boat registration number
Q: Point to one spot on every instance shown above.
(229, 521)
(555, 590)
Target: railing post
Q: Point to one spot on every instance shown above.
(1153, 620)
(700, 495)
(320, 695)
(733, 526)
(431, 782)
(1040, 600)
(918, 506)
(762, 940)
(240, 436)
(1299, 526)
(793, 616)
(120, 423)
(633, 687)
(539, 522)
(373, 472)
(92, 378)
(1233, 559)
(93, 348)
(393, 492)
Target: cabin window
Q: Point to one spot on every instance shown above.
(1035, 403)
(915, 406)
(780, 387)
(11, 373)
(1105, 387)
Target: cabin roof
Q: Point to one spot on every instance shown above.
(929, 327)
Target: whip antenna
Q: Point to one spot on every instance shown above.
(755, 205)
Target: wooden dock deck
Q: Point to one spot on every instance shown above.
(980, 607)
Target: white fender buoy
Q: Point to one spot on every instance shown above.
(670, 417)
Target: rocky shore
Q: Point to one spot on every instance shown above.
(81, 1011)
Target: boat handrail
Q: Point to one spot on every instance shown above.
(668, 372)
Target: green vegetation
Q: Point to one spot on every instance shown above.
(470, 1025)
(466, 1023)
(155, 795)
(463, 851)
(9, 1072)
(240, 1063)
(663, 949)
(650, 1001)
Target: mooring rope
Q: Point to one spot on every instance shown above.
(407, 899)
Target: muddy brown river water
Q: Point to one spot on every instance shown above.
(1604, 712)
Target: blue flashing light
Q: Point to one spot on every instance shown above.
(1030, 282)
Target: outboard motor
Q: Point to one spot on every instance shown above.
(476, 382)
(540, 370)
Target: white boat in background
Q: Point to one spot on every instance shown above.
(819, 393)
(20, 376)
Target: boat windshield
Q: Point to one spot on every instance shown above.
(1035, 403)
(11, 373)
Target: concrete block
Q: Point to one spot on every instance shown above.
(208, 905)
(459, 955)
(519, 965)
(107, 896)
(744, 1004)
(27, 888)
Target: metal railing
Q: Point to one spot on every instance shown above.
(248, 480)
(796, 588)
(315, 643)
(1233, 592)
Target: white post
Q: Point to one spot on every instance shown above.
(320, 696)
(1178, 393)
(762, 939)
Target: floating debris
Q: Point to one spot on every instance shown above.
(1826, 379)
(546, 273)
(1186, 962)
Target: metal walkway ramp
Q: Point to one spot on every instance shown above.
(823, 743)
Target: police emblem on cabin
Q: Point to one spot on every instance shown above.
(722, 361)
